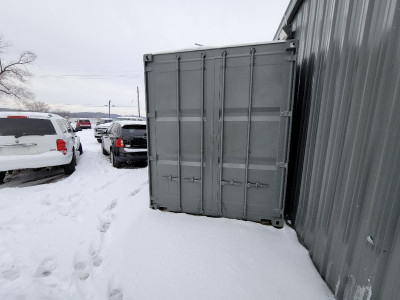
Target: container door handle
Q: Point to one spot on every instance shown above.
(231, 182)
(257, 185)
(170, 178)
(194, 180)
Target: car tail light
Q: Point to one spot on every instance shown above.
(119, 143)
(62, 146)
(17, 117)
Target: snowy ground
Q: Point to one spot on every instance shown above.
(93, 236)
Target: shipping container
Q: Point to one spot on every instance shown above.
(219, 126)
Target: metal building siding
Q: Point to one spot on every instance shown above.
(219, 130)
(344, 185)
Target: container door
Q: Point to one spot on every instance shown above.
(180, 146)
(254, 130)
(219, 128)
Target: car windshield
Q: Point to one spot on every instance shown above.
(134, 130)
(104, 121)
(20, 127)
(84, 121)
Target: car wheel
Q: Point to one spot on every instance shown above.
(80, 149)
(70, 168)
(102, 149)
(2, 175)
(141, 164)
(99, 140)
(113, 161)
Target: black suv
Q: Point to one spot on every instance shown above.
(126, 143)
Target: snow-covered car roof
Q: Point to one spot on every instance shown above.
(129, 118)
(33, 115)
(104, 125)
(123, 123)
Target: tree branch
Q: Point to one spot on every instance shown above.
(15, 73)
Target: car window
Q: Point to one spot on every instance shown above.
(20, 127)
(134, 130)
(115, 130)
(110, 129)
(68, 125)
(62, 126)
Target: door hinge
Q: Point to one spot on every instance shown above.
(286, 113)
(291, 57)
(281, 165)
(148, 58)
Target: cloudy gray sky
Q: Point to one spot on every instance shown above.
(90, 51)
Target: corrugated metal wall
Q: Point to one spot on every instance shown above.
(344, 179)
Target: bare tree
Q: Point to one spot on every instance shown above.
(37, 106)
(14, 75)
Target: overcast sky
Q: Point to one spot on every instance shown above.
(90, 51)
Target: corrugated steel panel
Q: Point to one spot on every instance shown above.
(219, 130)
(344, 190)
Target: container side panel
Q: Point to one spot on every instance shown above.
(344, 159)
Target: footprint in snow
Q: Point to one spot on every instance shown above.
(135, 192)
(95, 253)
(104, 226)
(112, 205)
(8, 267)
(116, 294)
(81, 271)
(46, 268)
(96, 258)
(106, 185)
(114, 288)
(81, 267)
(9, 272)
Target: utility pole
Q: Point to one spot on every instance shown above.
(138, 104)
(109, 108)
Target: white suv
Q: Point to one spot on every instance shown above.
(31, 140)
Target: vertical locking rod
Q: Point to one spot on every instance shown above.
(221, 152)
(178, 58)
(203, 67)
(292, 76)
(252, 52)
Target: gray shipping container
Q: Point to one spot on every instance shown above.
(219, 130)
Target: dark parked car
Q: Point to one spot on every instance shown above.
(126, 143)
(101, 128)
(83, 123)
